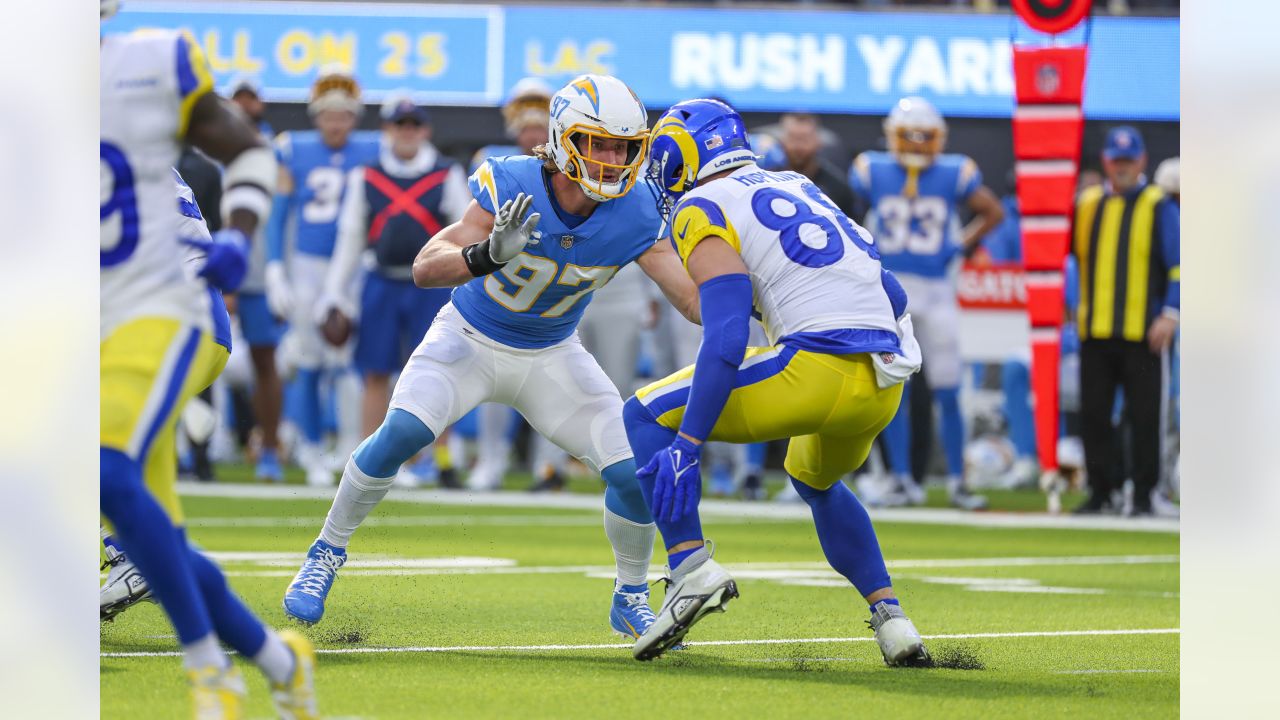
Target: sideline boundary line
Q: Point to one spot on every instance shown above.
(711, 508)
(706, 643)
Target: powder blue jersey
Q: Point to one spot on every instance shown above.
(536, 300)
(319, 181)
(917, 234)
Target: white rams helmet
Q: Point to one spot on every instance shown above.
(598, 106)
(915, 131)
(335, 88)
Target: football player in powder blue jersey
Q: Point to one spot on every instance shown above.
(915, 192)
(313, 178)
(541, 234)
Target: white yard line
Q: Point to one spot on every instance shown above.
(715, 509)
(708, 643)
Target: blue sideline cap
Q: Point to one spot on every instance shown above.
(1123, 143)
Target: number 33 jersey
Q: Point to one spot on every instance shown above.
(319, 175)
(150, 80)
(912, 213)
(815, 274)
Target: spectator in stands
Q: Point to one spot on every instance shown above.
(246, 93)
(801, 141)
(1126, 245)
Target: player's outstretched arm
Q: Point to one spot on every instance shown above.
(250, 177)
(988, 214)
(440, 262)
(662, 265)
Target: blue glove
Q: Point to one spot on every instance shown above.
(677, 485)
(226, 258)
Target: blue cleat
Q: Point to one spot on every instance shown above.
(304, 600)
(630, 615)
(268, 469)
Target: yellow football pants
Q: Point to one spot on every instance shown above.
(150, 367)
(828, 405)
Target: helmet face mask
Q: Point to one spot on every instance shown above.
(335, 88)
(588, 116)
(915, 132)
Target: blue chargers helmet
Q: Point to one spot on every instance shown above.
(691, 141)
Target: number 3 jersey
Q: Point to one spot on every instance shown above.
(815, 274)
(537, 299)
(319, 175)
(150, 80)
(913, 213)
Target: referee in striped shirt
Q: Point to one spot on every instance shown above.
(1126, 237)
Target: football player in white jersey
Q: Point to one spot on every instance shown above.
(773, 245)
(159, 348)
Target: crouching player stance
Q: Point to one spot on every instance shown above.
(541, 234)
(161, 344)
(830, 381)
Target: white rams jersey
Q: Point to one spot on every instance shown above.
(811, 267)
(149, 83)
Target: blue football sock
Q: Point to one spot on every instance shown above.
(144, 532)
(633, 588)
(1016, 379)
(622, 493)
(647, 437)
(847, 537)
(308, 410)
(897, 439)
(235, 624)
(948, 400)
(400, 436)
(886, 601)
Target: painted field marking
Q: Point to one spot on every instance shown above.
(716, 510)
(706, 643)
(1107, 672)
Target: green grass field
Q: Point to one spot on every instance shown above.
(447, 611)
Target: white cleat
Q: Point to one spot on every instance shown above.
(124, 587)
(899, 641)
(708, 588)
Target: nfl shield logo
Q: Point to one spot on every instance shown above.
(566, 241)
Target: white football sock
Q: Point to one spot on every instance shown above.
(275, 659)
(205, 652)
(357, 495)
(632, 547)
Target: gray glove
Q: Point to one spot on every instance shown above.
(511, 229)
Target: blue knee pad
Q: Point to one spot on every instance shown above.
(622, 493)
(644, 433)
(400, 436)
(948, 400)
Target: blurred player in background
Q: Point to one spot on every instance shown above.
(541, 234)
(770, 244)
(314, 165)
(162, 341)
(246, 93)
(524, 116)
(914, 192)
(392, 208)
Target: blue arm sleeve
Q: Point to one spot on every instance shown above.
(726, 318)
(275, 228)
(1169, 228)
